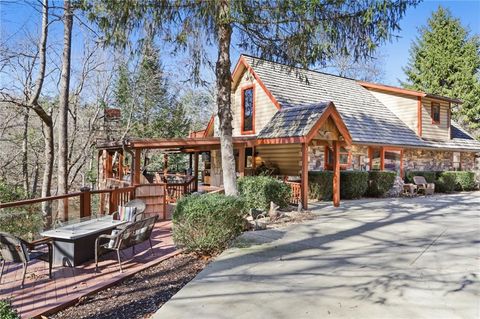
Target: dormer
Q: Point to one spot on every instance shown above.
(427, 115)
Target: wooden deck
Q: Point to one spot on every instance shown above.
(44, 296)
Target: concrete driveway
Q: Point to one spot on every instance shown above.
(389, 258)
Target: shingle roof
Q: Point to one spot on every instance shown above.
(368, 120)
(460, 140)
(294, 121)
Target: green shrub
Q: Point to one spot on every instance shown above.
(353, 184)
(259, 191)
(6, 310)
(320, 185)
(205, 224)
(380, 182)
(464, 181)
(430, 176)
(445, 182)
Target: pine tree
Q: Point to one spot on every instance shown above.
(445, 60)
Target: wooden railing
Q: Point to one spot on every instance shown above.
(177, 190)
(296, 188)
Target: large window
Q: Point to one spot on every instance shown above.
(386, 159)
(435, 113)
(344, 158)
(248, 110)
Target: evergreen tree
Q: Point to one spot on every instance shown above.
(445, 60)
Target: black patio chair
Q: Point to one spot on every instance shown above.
(16, 250)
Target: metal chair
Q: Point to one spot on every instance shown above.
(16, 250)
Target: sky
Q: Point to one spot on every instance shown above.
(16, 14)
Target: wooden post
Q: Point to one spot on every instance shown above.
(241, 161)
(165, 165)
(190, 162)
(136, 167)
(120, 165)
(304, 176)
(195, 170)
(108, 165)
(85, 200)
(336, 173)
(254, 164)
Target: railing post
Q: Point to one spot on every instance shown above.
(85, 202)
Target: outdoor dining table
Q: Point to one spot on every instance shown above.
(74, 244)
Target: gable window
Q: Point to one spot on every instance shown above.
(248, 110)
(435, 113)
(345, 158)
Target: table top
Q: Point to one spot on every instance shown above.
(83, 229)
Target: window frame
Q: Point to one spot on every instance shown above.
(329, 166)
(383, 149)
(432, 107)
(242, 110)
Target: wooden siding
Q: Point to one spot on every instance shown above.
(287, 157)
(402, 105)
(264, 108)
(435, 131)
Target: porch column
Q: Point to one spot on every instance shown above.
(108, 165)
(304, 176)
(195, 172)
(165, 165)
(241, 161)
(336, 173)
(190, 162)
(136, 167)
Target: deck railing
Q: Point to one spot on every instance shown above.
(176, 190)
(296, 188)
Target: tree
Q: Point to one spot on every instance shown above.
(297, 32)
(445, 60)
(364, 69)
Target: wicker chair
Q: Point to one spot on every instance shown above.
(133, 234)
(140, 207)
(423, 186)
(16, 250)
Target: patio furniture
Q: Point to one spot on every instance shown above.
(422, 185)
(139, 206)
(74, 244)
(133, 234)
(409, 189)
(16, 250)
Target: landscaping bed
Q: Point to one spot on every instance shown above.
(140, 295)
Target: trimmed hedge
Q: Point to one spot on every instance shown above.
(446, 181)
(380, 182)
(259, 191)
(205, 224)
(320, 185)
(353, 184)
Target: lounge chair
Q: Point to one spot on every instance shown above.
(16, 250)
(423, 186)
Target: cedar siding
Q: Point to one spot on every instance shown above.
(264, 109)
(440, 131)
(405, 107)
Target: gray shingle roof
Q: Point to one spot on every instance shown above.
(293, 121)
(367, 119)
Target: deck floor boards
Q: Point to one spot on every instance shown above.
(42, 295)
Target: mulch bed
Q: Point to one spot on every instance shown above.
(141, 295)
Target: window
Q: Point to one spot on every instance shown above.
(386, 159)
(344, 158)
(248, 111)
(435, 113)
(457, 165)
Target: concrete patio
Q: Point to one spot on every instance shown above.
(389, 258)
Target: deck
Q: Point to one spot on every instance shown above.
(44, 296)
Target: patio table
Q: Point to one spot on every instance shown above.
(74, 244)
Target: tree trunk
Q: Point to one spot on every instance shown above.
(35, 179)
(224, 91)
(26, 185)
(62, 169)
(48, 172)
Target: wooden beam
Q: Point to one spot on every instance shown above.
(336, 173)
(108, 165)
(304, 176)
(195, 172)
(136, 167)
(419, 116)
(241, 161)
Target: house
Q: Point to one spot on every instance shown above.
(292, 120)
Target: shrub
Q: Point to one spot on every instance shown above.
(430, 176)
(380, 182)
(320, 185)
(464, 181)
(259, 191)
(205, 224)
(353, 184)
(445, 182)
(6, 310)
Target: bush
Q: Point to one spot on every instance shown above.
(6, 310)
(380, 182)
(447, 181)
(320, 185)
(259, 191)
(430, 176)
(353, 184)
(205, 224)
(464, 181)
